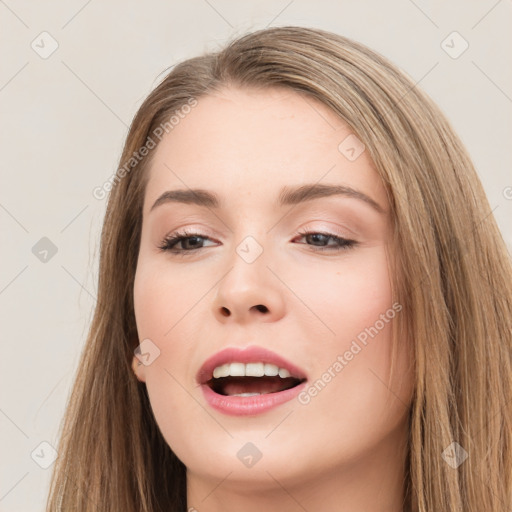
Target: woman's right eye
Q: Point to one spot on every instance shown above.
(185, 238)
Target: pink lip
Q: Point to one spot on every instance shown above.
(247, 405)
(249, 355)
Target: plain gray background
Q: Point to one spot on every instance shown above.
(64, 117)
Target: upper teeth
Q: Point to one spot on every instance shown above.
(249, 370)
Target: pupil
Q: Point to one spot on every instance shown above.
(193, 238)
(315, 237)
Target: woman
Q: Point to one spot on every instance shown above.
(304, 302)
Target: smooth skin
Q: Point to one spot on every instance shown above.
(343, 450)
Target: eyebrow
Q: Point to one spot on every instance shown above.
(287, 196)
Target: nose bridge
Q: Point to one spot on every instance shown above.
(248, 264)
(249, 236)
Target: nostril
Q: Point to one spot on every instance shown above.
(224, 311)
(261, 308)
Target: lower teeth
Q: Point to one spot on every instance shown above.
(247, 394)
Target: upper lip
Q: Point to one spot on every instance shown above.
(252, 354)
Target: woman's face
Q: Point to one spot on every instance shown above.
(318, 305)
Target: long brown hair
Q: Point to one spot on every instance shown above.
(452, 274)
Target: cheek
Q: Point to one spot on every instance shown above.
(165, 314)
(353, 354)
(161, 299)
(160, 302)
(349, 297)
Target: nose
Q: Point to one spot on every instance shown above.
(249, 292)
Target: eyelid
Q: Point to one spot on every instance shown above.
(338, 230)
(341, 231)
(193, 230)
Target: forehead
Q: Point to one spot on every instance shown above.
(246, 144)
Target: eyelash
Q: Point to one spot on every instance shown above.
(171, 241)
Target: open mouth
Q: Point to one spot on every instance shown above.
(249, 381)
(239, 379)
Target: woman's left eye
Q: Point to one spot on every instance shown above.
(339, 242)
(191, 240)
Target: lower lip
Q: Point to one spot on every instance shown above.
(249, 405)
